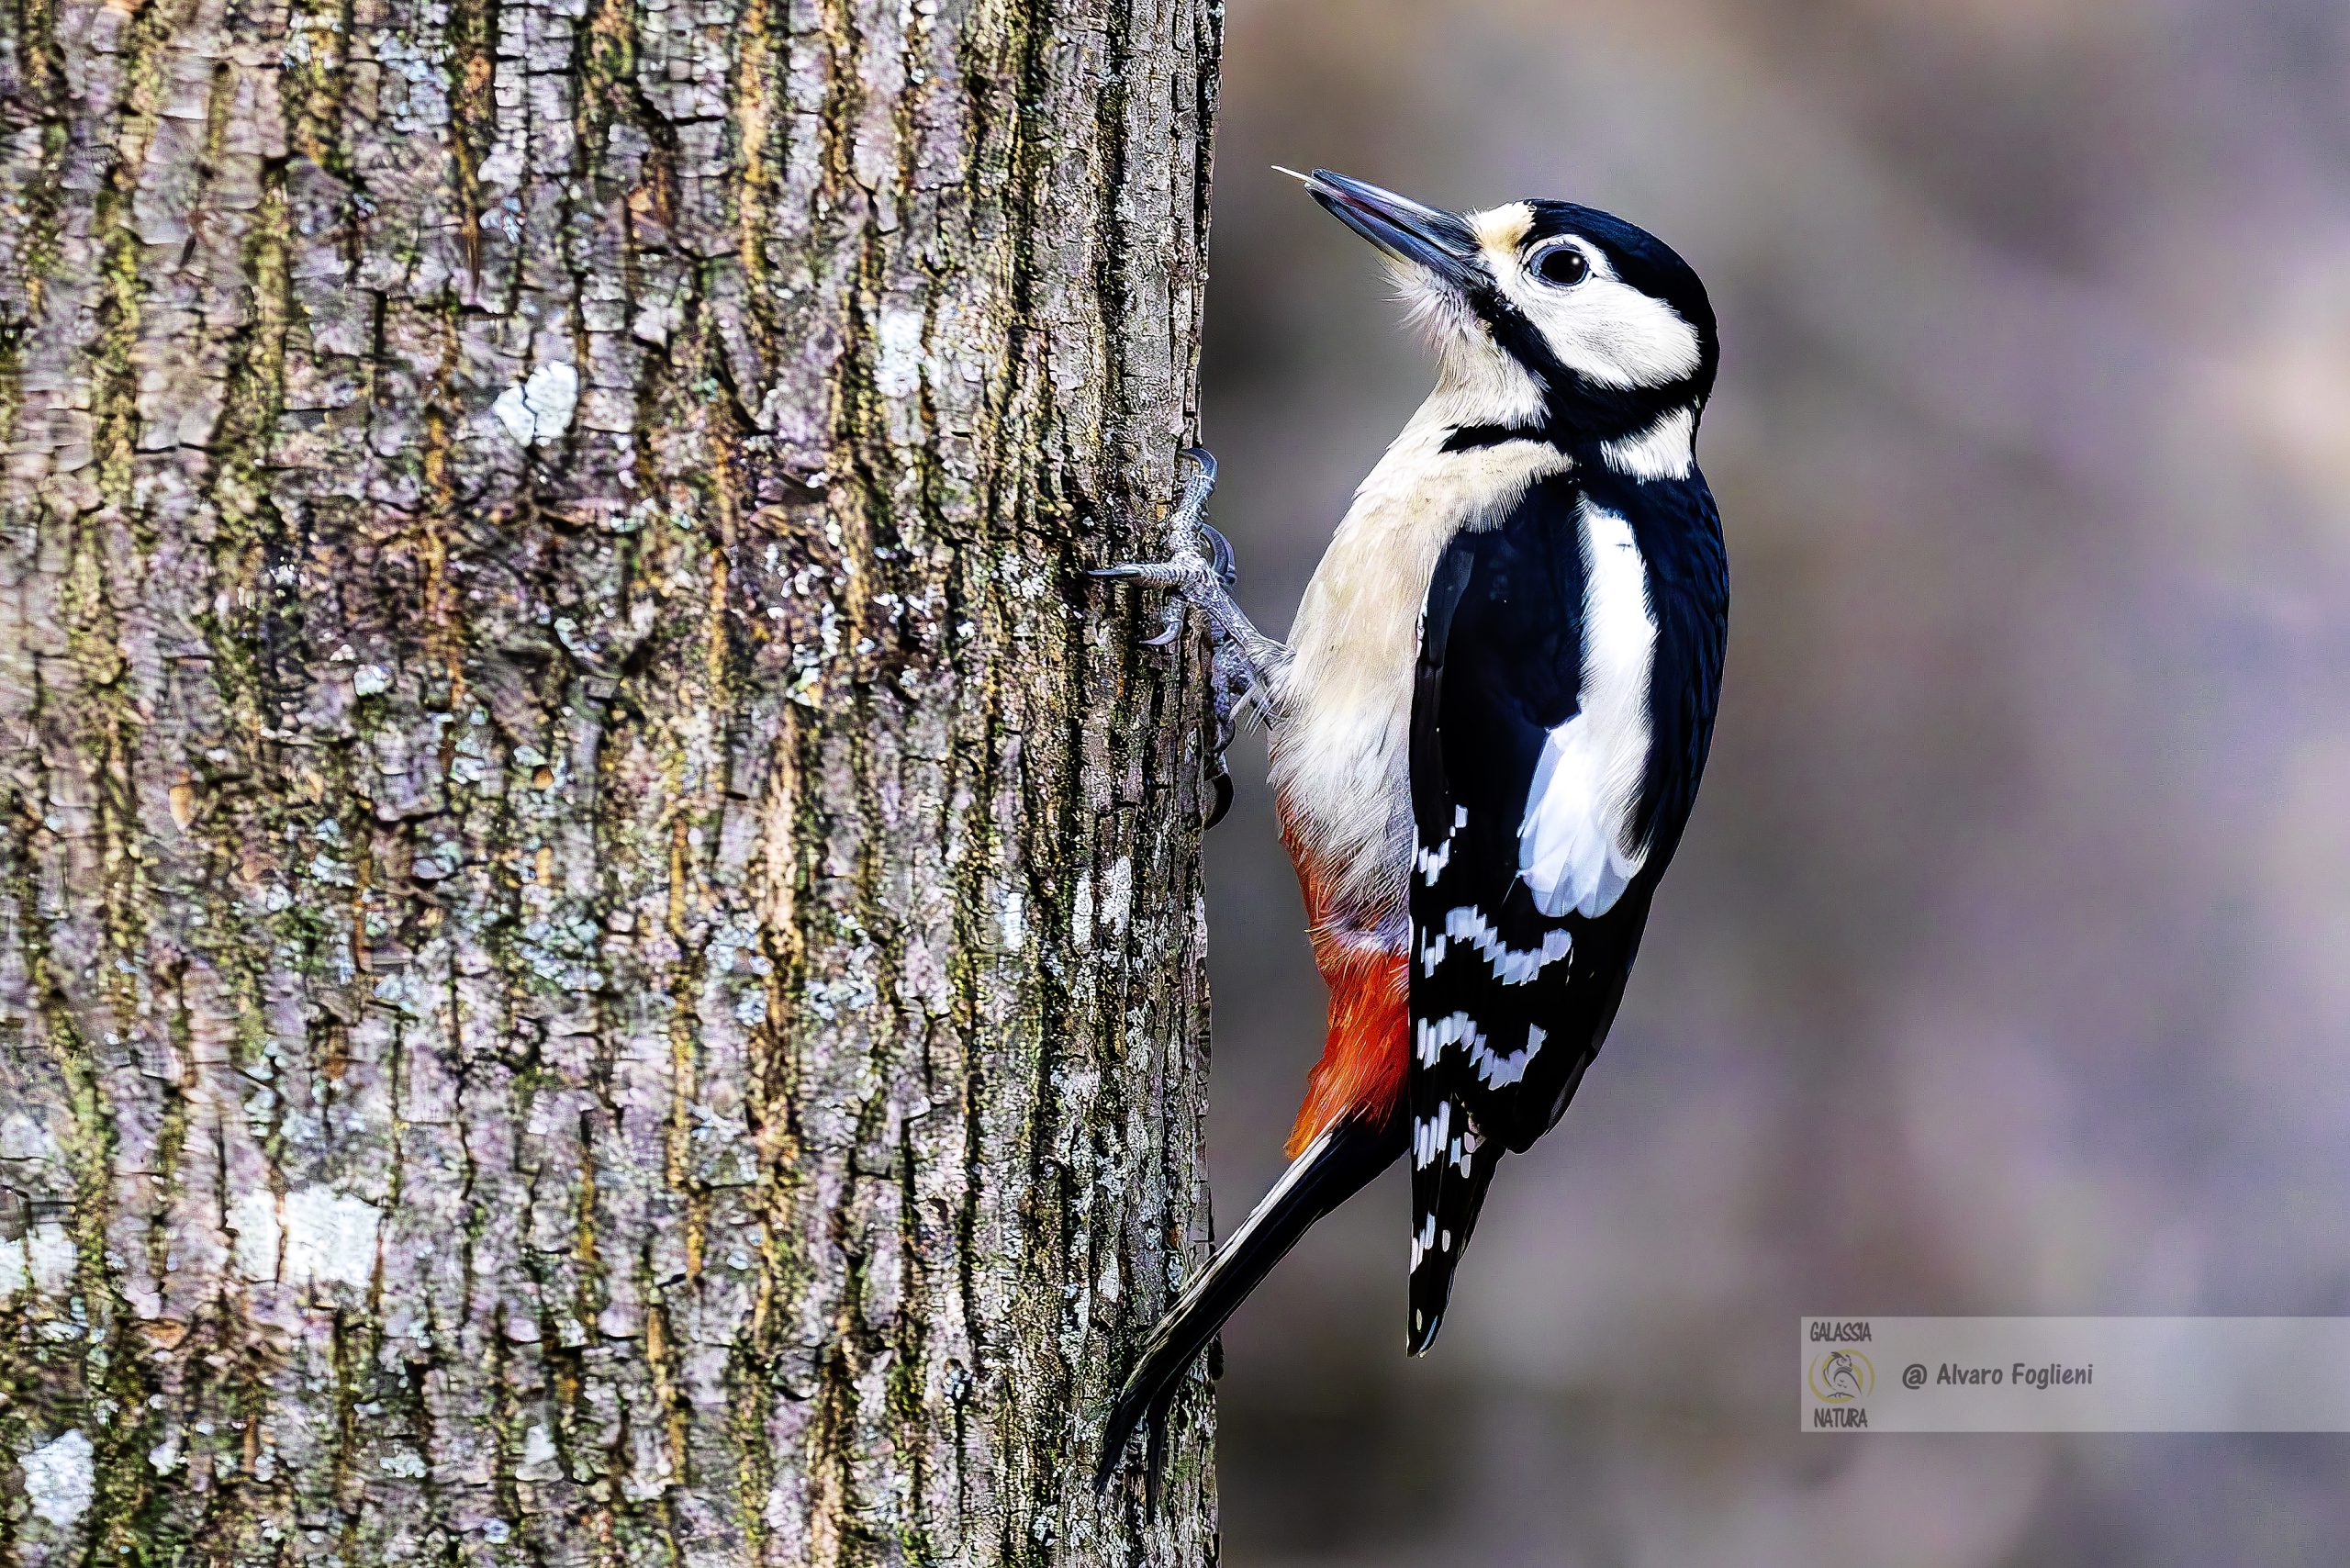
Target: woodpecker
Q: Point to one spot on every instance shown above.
(1486, 728)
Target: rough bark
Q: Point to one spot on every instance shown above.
(599, 952)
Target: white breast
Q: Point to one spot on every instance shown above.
(1341, 746)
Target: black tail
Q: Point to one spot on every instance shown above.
(1334, 1167)
(1447, 1193)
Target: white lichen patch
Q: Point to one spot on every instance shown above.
(540, 1462)
(49, 1258)
(24, 1139)
(59, 1479)
(254, 1217)
(42, 1257)
(317, 1234)
(537, 411)
(1118, 895)
(897, 370)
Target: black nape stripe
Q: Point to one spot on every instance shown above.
(1468, 437)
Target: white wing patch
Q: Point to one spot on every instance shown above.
(1574, 849)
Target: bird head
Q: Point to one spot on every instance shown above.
(1547, 312)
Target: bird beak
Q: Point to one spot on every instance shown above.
(1439, 242)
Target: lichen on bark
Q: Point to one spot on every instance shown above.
(600, 948)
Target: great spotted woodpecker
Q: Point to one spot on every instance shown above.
(1487, 726)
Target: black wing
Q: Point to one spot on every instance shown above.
(1509, 1004)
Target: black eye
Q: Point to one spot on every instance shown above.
(1563, 266)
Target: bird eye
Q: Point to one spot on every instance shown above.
(1563, 266)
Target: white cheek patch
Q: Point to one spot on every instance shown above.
(1574, 848)
(1610, 332)
(1603, 329)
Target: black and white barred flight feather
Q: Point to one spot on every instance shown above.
(1560, 713)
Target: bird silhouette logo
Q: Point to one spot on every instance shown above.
(1842, 1376)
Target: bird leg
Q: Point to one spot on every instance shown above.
(1198, 574)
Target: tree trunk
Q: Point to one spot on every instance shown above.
(599, 956)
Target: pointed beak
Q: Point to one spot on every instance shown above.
(1441, 243)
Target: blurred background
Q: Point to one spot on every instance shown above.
(2006, 967)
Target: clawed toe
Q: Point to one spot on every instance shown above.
(1198, 575)
(1178, 575)
(1222, 784)
(1197, 556)
(1157, 574)
(1220, 557)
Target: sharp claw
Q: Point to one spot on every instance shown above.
(1111, 573)
(1220, 557)
(1174, 626)
(1223, 785)
(1196, 491)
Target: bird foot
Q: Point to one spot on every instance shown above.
(1198, 573)
(1198, 569)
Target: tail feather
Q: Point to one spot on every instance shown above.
(1337, 1164)
(1450, 1171)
